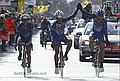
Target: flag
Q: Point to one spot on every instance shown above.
(46, 8)
(21, 5)
(43, 8)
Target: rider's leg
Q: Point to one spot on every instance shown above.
(69, 45)
(20, 50)
(91, 45)
(101, 53)
(29, 56)
(56, 59)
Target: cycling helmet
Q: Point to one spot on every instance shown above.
(24, 17)
(58, 13)
(100, 13)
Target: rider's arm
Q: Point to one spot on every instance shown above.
(30, 33)
(87, 14)
(71, 17)
(106, 34)
(52, 29)
(105, 30)
(17, 34)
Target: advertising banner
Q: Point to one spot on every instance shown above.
(5, 2)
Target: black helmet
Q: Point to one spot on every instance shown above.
(100, 13)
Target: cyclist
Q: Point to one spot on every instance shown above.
(99, 31)
(24, 32)
(45, 24)
(57, 31)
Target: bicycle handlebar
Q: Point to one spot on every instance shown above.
(23, 44)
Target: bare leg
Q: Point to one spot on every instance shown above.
(29, 56)
(69, 45)
(56, 59)
(102, 54)
(20, 51)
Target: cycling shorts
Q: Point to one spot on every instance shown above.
(20, 42)
(98, 35)
(58, 39)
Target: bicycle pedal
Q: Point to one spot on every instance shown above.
(61, 66)
(24, 65)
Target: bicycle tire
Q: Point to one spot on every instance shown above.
(45, 44)
(97, 64)
(61, 62)
(24, 63)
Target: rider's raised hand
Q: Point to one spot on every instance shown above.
(79, 6)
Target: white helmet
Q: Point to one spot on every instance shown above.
(58, 13)
(24, 17)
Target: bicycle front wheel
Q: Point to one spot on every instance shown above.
(24, 63)
(97, 65)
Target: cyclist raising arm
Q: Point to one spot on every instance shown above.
(24, 32)
(99, 31)
(45, 26)
(57, 31)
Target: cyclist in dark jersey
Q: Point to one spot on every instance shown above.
(24, 33)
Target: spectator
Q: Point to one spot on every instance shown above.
(10, 24)
(3, 33)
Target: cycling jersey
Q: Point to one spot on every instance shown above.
(99, 27)
(57, 29)
(24, 32)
